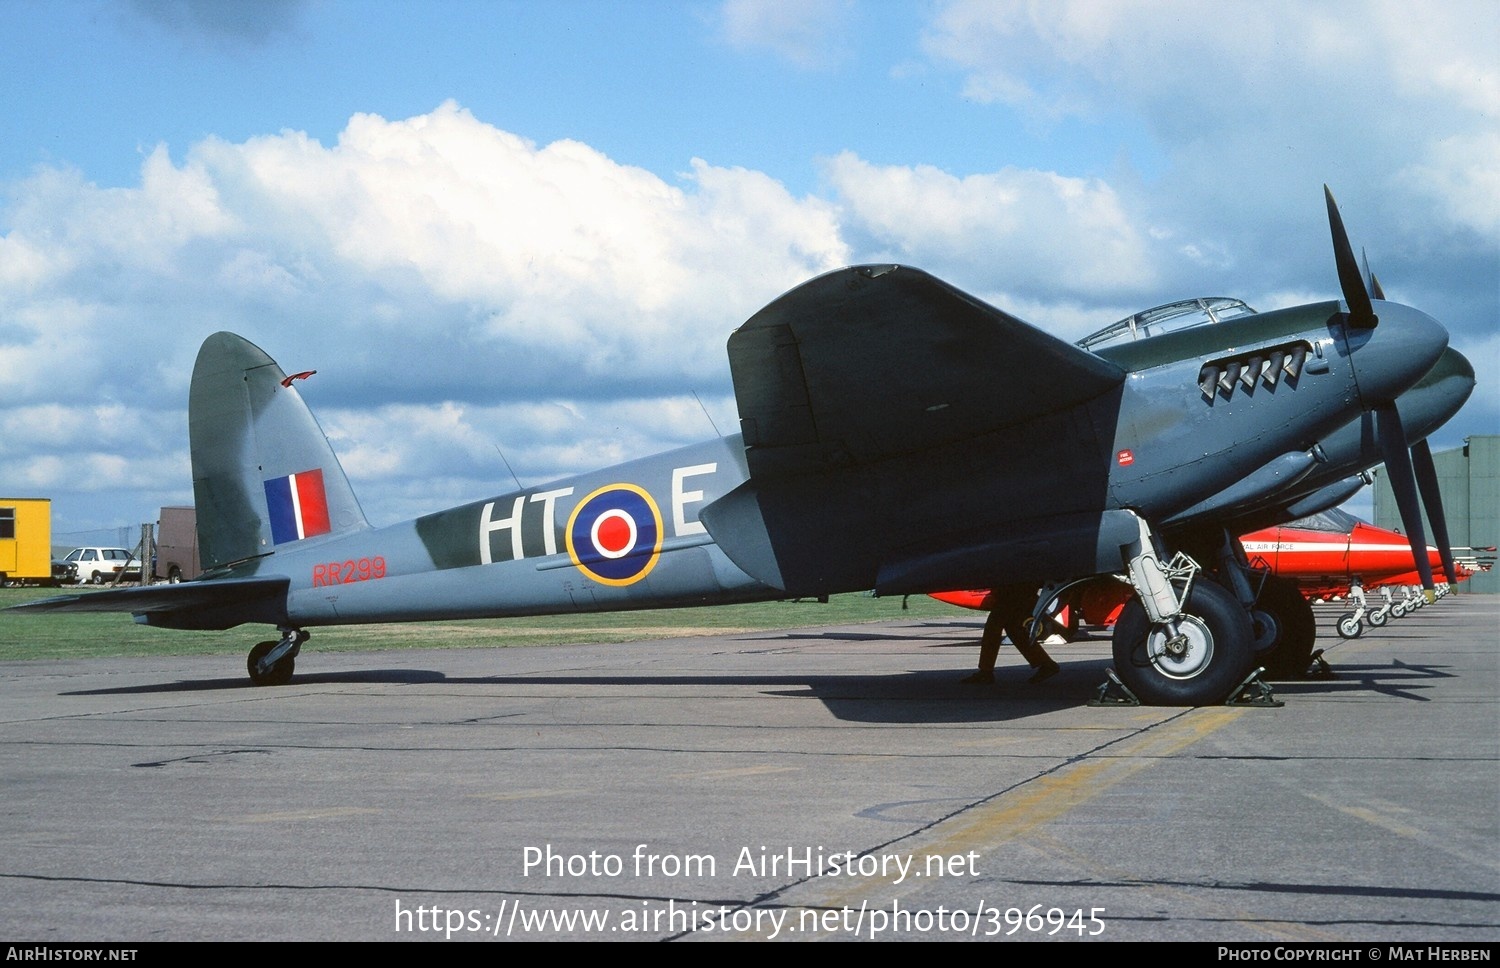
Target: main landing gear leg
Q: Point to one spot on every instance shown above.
(271, 663)
(1179, 642)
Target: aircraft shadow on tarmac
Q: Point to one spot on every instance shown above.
(919, 696)
(928, 696)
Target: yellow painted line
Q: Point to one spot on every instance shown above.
(282, 816)
(1390, 817)
(1038, 802)
(1380, 820)
(994, 741)
(761, 770)
(1184, 899)
(527, 795)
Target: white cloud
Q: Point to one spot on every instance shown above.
(431, 269)
(461, 288)
(1252, 101)
(807, 33)
(467, 452)
(1212, 62)
(436, 230)
(1033, 230)
(554, 248)
(1462, 173)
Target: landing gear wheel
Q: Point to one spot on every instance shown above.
(280, 673)
(1350, 627)
(1285, 629)
(1399, 611)
(1377, 618)
(1199, 664)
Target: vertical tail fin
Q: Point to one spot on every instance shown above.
(263, 472)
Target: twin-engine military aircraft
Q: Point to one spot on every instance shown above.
(896, 434)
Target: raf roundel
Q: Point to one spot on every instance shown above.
(614, 535)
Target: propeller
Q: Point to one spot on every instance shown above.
(1375, 291)
(1432, 500)
(1361, 312)
(1389, 432)
(1392, 438)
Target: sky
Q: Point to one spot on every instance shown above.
(513, 237)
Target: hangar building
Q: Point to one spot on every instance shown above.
(1469, 478)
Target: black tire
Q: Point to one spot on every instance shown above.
(1218, 658)
(1284, 628)
(98, 578)
(280, 673)
(1378, 618)
(1349, 626)
(174, 575)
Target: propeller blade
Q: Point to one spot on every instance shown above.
(1361, 312)
(1375, 291)
(1432, 500)
(1404, 486)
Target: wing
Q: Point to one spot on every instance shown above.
(215, 604)
(871, 362)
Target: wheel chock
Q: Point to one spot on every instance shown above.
(1113, 692)
(1254, 692)
(1318, 667)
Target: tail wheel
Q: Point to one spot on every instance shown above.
(1196, 661)
(1285, 629)
(1349, 626)
(280, 673)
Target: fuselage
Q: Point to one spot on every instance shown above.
(623, 538)
(1045, 499)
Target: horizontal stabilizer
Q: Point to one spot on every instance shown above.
(217, 604)
(872, 362)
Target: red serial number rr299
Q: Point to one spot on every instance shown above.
(345, 572)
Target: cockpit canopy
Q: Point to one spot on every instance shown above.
(1183, 314)
(1334, 520)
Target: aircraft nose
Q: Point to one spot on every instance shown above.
(1438, 396)
(1393, 355)
(1452, 379)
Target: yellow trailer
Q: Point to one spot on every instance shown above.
(26, 540)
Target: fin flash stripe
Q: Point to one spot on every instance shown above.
(297, 506)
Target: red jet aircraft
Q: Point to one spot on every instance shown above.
(1322, 553)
